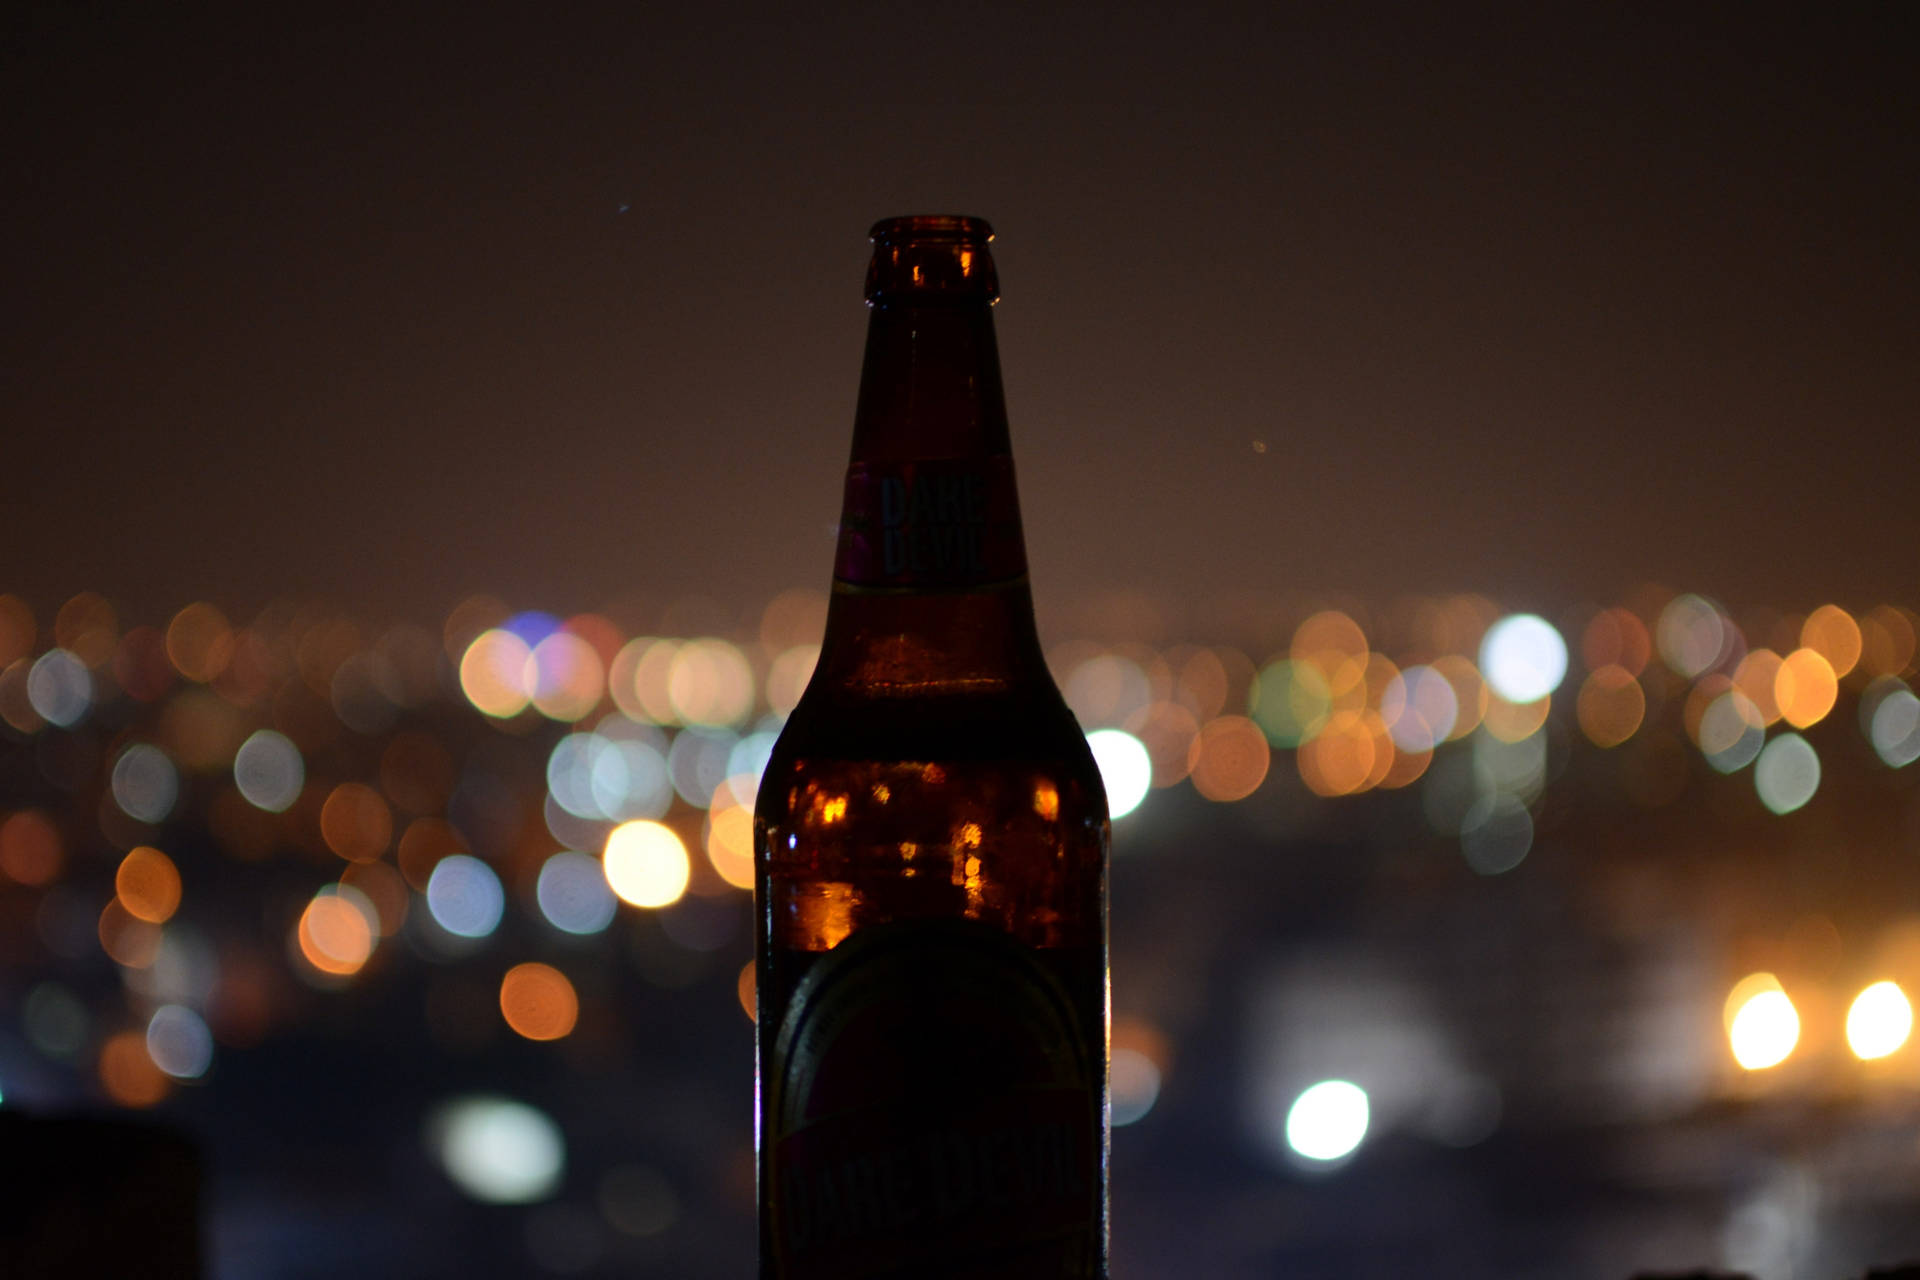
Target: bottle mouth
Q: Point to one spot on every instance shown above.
(945, 227)
(931, 259)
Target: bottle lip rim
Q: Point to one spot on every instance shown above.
(931, 226)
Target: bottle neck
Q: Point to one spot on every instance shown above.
(930, 588)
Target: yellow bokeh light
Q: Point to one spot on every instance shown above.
(538, 1001)
(710, 683)
(1762, 1025)
(148, 885)
(1758, 678)
(646, 864)
(1831, 632)
(1515, 721)
(493, 674)
(638, 676)
(1806, 687)
(1879, 1021)
(335, 935)
(730, 843)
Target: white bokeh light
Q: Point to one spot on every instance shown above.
(1125, 769)
(1523, 658)
(497, 1150)
(1328, 1121)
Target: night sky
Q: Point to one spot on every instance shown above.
(395, 307)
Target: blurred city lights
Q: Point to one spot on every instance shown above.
(148, 885)
(60, 688)
(1420, 708)
(336, 931)
(493, 674)
(1328, 1121)
(710, 683)
(1523, 657)
(1610, 706)
(498, 1151)
(1879, 1021)
(1762, 1025)
(1831, 632)
(465, 896)
(128, 1073)
(268, 771)
(1691, 635)
(1805, 687)
(646, 864)
(730, 843)
(179, 1043)
(1893, 728)
(538, 1002)
(145, 783)
(1787, 774)
(1125, 769)
(1135, 1085)
(573, 894)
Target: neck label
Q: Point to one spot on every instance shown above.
(935, 524)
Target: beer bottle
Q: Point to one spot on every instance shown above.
(931, 848)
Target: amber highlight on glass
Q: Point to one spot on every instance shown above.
(931, 847)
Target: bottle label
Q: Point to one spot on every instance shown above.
(934, 1110)
(933, 524)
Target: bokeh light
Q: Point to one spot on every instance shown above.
(200, 642)
(1290, 701)
(1328, 1121)
(465, 896)
(646, 863)
(1879, 1021)
(1126, 770)
(1420, 708)
(1497, 833)
(60, 688)
(1611, 705)
(709, 682)
(31, 850)
(1106, 689)
(565, 677)
(336, 931)
(1616, 638)
(268, 771)
(498, 1151)
(1893, 726)
(1691, 635)
(538, 1001)
(1730, 733)
(145, 784)
(1806, 687)
(730, 842)
(1831, 632)
(147, 884)
(1340, 759)
(1787, 773)
(356, 823)
(127, 1071)
(573, 894)
(1231, 758)
(1523, 657)
(1762, 1025)
(179, 1043)
(493, 673)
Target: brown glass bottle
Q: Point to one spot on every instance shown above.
(931, 835)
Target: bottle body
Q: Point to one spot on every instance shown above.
(931, 855)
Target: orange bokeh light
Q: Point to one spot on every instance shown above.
(538, 1002)
(148, 885)
(335, 935)
(128, 1073)
(1230, 758)
(31, 851)
(356, 823)
(1806, 687)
